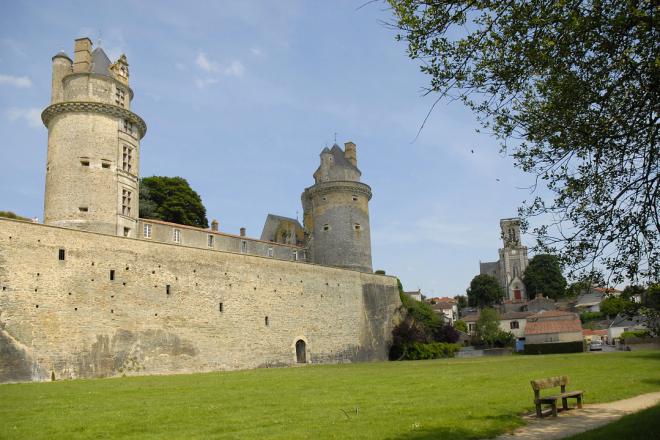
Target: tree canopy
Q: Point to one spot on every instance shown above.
(543, 275)
(484, 291)
(172, 200)
(571, 91)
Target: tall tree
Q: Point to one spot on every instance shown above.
(543, 275)
(484, 291)
(172, 200)
(570, 88)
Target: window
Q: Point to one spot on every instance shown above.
(295, 255)
(127, 158)
(355, 198)
(326, 227)
(514, 325)
(270, 252)
(105, 164)
(61, 255)
(176, 235)
(146, 230)
(209, 240)
(127, 231)
(112, 274)
(167, 289)
(220, 307)
(472, 327)
(126, 196)
(244, 246)
(129, 127)
(83, 209)
(357, 227)
(120, 96)
(84, 162)
(266, 320)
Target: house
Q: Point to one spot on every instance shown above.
(622, 324)
(540, 303)
(446, 307)
(553, 326)
(514, 322)
(416, 295)
(589, 302)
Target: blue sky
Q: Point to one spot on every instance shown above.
(241, 97)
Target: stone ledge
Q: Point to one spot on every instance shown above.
(94, 107)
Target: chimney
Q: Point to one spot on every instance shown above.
(82, 55)
(214, 225)
(350, 153)
(242, 232)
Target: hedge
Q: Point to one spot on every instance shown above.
(433, 350)
(555, 347)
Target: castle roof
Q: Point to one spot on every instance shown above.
(339, 158)
(100, 62)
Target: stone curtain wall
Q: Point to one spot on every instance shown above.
(71, 320)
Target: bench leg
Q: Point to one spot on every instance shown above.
(554, 409)
(564, 404)
(539, 413)
(579, 401)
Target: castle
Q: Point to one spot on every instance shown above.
(509, 269)
(97, 291)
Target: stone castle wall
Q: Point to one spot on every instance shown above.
(118, 305)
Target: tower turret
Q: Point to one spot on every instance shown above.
(92, 168)
(336, 212)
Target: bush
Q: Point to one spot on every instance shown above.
(433, 350)
(446, 333)
(590, 316)
(555, 347)
(461, 326)
(636, 334)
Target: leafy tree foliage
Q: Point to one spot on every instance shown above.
(571, 90)
(484, 291)
(172, 200)
(461, 326)
(488, 330)
(420, 325)
(543, 275)
(629, 292)
(648, 310)
(614, 305)
(461, 301)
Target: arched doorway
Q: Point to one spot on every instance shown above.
(301, 352)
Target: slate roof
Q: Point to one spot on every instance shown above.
(100, 62)
(503, 316)
(552, 314)
(339, 158)
(589, 299)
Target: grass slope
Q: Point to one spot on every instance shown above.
(449, 399)
(642, 425)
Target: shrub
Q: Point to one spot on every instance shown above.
(446, 333)
(461, 326)
(555, 347)
(635, 334)
(433, 350)
(590, 316)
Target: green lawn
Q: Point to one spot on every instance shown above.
(642, 425)
(449, 399)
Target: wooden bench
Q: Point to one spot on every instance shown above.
(553, 382)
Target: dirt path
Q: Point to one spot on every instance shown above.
(573, 422)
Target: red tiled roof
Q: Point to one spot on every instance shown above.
(442, 305)
(588, 332)
(553, 326)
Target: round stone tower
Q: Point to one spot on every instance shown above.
(93, 144)
(336, 212)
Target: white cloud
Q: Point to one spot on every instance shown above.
(16, 81)
(204, 63)
(236, 68)
(256, 51)
(203, 82)
(30, 115)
